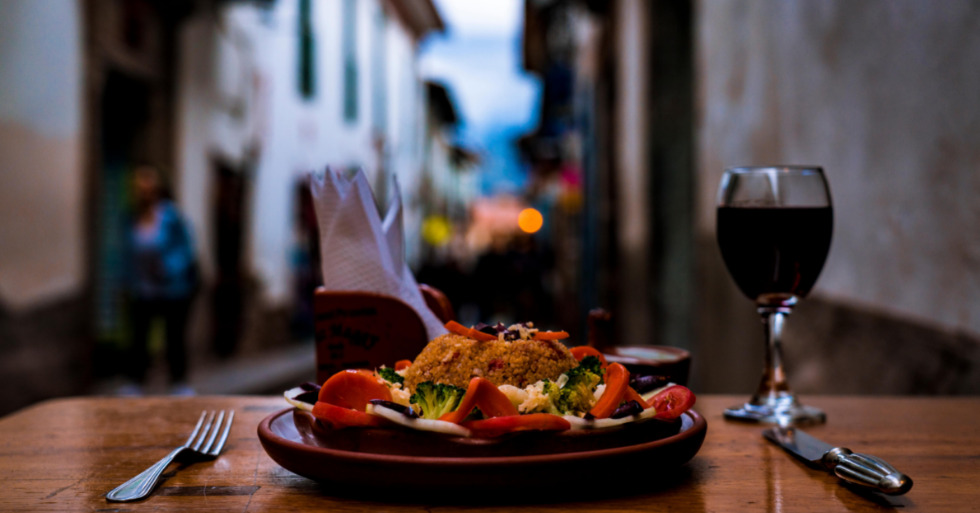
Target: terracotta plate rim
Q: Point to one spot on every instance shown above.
(693, 425)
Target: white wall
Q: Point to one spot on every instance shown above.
(296, 135)
(406, 128)
(42, 248)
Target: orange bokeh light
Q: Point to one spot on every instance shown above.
(530, 220)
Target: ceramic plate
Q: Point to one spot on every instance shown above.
(397, 459)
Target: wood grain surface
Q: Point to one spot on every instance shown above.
(65, 455)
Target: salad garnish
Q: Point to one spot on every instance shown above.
(594, 394)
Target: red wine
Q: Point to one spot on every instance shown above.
(774, 250)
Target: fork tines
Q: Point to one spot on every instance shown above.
(207, 430)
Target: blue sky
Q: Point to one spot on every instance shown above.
(478, 57)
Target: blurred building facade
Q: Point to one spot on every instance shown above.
(645, 104)
(44, 243)
(236, 101)
(449, 185)
(602, 114)
(273, 92)
(662, 96)
(883, 95)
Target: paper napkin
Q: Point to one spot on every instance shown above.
(360, 250)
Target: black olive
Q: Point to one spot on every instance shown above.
(311, 392)
(309, 386)
(486, 328)
(310, 397)
(643, 384)
(627, 409)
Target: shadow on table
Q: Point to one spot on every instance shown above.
(849, 494)
(636, 482)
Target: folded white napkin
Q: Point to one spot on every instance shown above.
(360, 251)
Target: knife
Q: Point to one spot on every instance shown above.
(860, 469)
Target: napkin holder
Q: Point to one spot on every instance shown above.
(365, 330)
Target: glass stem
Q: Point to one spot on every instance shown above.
(774, 390)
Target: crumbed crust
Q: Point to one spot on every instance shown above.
(454, 359)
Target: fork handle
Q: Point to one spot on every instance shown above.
(143, 483)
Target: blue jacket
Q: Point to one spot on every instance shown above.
(162, 263)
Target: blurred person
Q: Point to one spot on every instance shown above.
(163, 279)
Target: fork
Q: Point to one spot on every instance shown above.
(204, 444)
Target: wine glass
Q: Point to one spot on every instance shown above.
(774, 226)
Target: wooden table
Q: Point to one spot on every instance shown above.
(64, 455)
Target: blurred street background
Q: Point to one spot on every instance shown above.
(612, 120)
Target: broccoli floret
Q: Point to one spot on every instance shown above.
(553, 392)
(576, 395)
(436, 399)
(388, 374)
(590, 364)
(580, 396)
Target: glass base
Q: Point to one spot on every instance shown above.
(792, 415)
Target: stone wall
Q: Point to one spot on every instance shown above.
(883, 94)
(45, 353)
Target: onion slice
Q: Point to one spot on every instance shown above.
(291, 396)
(580, 423)
(436, 426)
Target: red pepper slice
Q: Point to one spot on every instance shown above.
(617, 381)
(672, 402)
(633, 395)
(551, 335)
(353, 389)
(459, 329)
(490, 428)
(580, 352)
(402, 364)
(340, 417)
(482, 393)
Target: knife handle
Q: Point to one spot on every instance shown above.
(866, 470)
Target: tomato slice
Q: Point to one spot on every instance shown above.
(580, 352)
(402, 364)
(482, 393)
(490, 428)
(340, 417)
(617, 381)
(672, 402)
(353, 389)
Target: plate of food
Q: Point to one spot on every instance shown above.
(486, 408)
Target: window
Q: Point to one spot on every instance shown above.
(379, 87)
(349, 52)
(307, 53)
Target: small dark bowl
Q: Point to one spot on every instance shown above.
(671, 363)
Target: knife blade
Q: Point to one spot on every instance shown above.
(857, 468)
